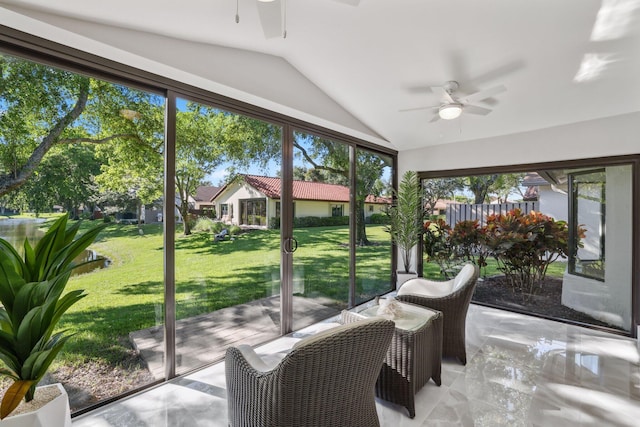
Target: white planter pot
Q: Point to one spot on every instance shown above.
(56, 413)
(403, 277)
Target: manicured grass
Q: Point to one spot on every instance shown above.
(129, 294)
(432, 270)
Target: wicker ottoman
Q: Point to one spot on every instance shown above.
(414, 355)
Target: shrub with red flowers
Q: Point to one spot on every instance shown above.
(525, 245)
(468, 238)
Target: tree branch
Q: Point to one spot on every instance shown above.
(12, 180)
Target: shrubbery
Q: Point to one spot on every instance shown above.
(311, 221)
(523, 245)
(379, 218)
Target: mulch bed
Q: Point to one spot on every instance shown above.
(495, 290)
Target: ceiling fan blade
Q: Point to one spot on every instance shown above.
(474, 109)
(270, 14)
(443, 94)
(435, 118)
(484, 94)
(404, 110)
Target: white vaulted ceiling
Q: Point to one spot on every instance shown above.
(352, 68)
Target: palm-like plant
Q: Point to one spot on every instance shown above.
(32, 304)
(405, 217)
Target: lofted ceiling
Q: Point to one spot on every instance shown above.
(353, 65)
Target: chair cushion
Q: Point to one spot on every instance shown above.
(463, 277)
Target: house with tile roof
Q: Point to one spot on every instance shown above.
(252, 200)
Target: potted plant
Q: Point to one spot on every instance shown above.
(31, 293)
(405, 222)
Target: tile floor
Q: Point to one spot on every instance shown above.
(522, 371)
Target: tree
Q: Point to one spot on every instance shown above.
(436, 189)
(480, 186)
(506, 185)
(43, 107)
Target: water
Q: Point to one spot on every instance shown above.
(15, 230)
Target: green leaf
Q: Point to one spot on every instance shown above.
(9, 253)
(63, 305)
(12, 397)
(65, 257)
(27, 335)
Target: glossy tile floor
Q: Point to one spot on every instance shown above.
(522, 371)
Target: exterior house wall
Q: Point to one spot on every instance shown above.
(554, 203)
(609, 301)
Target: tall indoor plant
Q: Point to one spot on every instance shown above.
(31, 293)
(405, 219)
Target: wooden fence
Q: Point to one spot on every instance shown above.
(459, 212)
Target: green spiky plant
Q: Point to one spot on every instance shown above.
(406, 217)
(32, 304)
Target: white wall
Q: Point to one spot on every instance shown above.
(610, 300)
(553, 203)
(610, 136)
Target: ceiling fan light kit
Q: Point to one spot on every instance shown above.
(451, 104)
(450, 111)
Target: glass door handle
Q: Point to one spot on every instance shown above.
(290, 245)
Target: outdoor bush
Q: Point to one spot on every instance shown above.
(274, 223)
(379, 218)
(234, 230)
(203, 224)
(468, 240)
(437, 245)
(217, 227)
(525, 245)
(315, 221)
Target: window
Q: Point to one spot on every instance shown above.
(540, 237)
(200, 278)
(587, 222)
(337, 210)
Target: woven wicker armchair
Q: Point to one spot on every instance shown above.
(325, 380)
(452, 298)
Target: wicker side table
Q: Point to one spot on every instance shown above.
(414, 355)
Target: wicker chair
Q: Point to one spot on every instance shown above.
(452, 298)
(325, 380)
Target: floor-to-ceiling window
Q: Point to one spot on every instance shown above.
(103, 147)
(556, 240)
(227, 269)
(177, 277)
(372, 243)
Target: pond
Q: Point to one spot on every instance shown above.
(15, 230)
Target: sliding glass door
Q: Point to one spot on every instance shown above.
(227, 259)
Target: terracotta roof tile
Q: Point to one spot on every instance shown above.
(306, 190)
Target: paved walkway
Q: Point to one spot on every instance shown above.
(204, 339)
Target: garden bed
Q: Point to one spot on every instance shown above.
(496, 291)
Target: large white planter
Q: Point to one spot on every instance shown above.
(403, 277)
(54, 414)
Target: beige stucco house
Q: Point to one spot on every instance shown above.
(253, 200)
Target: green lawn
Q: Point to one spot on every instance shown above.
(129, 294)
(432, 270)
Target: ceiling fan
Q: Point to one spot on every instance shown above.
(452, 106)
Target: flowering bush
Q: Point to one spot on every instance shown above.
(468, 239)
(525, 245)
